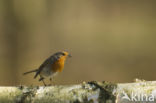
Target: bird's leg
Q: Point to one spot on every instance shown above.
(42, 79)
(50, 81)
(44, 82)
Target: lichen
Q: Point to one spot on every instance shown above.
(142, 90)
(9, 94)
(106, 91)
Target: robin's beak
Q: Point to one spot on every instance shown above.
(69, 55)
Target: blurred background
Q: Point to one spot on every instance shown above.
(111, 40)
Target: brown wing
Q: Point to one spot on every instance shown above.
(48, 61)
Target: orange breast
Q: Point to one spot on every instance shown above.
(58, 65)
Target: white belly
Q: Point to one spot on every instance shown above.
(46, 72)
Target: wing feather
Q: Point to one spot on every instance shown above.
(48, 61)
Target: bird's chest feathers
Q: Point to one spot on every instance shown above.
(58, 65)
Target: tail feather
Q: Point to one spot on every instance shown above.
(30, 71)
(37, 73)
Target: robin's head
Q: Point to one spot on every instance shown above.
(62, 54)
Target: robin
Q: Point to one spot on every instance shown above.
(51, 66)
